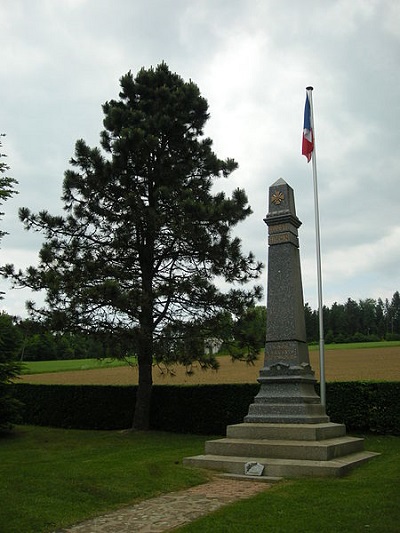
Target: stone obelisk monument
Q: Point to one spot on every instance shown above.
(287, 392)
(286, 432)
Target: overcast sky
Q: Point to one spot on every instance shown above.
(252, 59)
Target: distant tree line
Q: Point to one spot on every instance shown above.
(33, 342)
(362, 321)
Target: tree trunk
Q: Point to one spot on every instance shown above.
(141, 418)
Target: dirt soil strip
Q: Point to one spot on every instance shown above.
(380, 364)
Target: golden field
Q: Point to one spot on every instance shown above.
(377, 364)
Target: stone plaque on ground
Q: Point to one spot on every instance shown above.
(253, 469)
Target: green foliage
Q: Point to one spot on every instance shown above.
(10, 341)
(77, 407)
(249, 332)
(9, 337)
(53, 478)
(6, 184)
(174, 408)
(393, 336)
(202, 409)
(47, 346)
(144, 241)
(368, 320)
(365, 406)
(185, 342)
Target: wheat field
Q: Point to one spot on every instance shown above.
(377, 364)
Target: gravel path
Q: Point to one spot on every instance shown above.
(170, 511)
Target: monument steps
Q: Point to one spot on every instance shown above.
(259, 479)
(284, 468)
(328, 430)
(286, 449)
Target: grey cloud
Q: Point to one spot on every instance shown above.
(252, 60)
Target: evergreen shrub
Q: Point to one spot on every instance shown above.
(202, 409)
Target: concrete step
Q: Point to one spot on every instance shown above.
(287, 468)
(286, 431)
(244, 477)
(285, 449)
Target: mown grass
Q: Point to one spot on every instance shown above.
(65, 365)
(366, 500)
(356, 345)
(50, 478)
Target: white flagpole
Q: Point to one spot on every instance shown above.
(318, 251)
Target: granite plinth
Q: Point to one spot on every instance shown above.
(284, 450)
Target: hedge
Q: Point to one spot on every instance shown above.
(202, 409)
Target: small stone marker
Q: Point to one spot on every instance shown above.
(253, 469)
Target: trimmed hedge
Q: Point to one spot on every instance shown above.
(202, 409)
(365, 406)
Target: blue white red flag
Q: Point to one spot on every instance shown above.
(308, 135)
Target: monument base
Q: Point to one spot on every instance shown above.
(287, 395)
(284, 450)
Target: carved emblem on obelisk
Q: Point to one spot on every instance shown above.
(277, 197)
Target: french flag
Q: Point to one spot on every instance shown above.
(308, 137)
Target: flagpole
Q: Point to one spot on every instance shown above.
(318, 251)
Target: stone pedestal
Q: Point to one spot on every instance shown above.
(284, 451)
(286, 432)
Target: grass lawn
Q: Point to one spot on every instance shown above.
(51, 478)
(63, 365)
(366, 500)
(355, 345)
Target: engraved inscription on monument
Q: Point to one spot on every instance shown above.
(281, 351)
(281, 228)
(279, 238)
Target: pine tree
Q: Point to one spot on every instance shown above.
(9, 340)
(145, 241)
(6, 185)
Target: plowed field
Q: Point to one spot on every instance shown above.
(380, 364)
